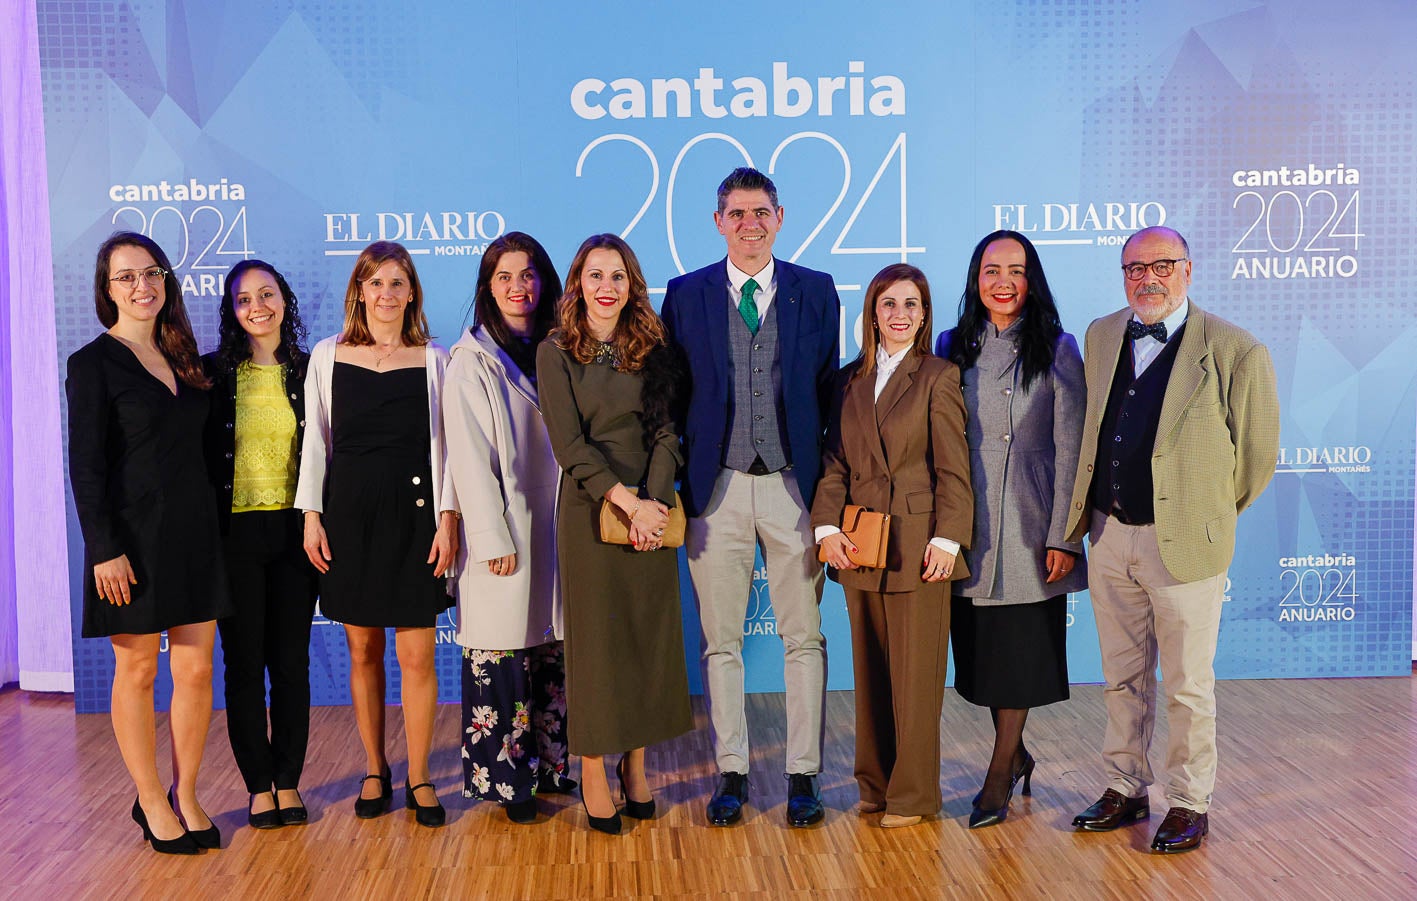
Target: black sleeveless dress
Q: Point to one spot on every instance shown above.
(379, 507)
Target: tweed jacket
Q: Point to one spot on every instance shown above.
(505, 478)
(1023, 456)
(904, 455)
(1216, 443)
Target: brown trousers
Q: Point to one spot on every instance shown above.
(899, 645)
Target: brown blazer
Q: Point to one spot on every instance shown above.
(905, 455)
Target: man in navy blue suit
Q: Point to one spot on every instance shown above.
(760, 335)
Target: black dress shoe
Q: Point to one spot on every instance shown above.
(183, 844)
(1113, 809)
(1182, 830)
(639, 810)
(266, 819)
(804, 800)
(433, 815)
(726, 806)
(209, 837)
(295, 814)
(369, 808)
(522, 812)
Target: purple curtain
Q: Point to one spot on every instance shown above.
(36, 644)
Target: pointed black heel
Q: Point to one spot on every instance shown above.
(639, 810)
(183, 844)
(609, 825)
(1025, 772)
(209, 837)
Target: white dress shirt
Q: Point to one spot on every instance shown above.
(767, 286)
(1146, 348)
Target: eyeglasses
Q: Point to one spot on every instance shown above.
(129, 278)
(1161, 268)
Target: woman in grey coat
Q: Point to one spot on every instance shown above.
(1024, 393)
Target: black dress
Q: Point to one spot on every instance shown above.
(140, 489)
(379, 504)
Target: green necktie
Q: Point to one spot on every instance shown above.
(747, 308)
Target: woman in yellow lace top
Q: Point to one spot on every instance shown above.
(253, 442)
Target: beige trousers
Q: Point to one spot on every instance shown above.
(1145, 616)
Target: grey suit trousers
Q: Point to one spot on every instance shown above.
(746, 511)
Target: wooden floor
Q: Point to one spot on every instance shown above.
(1317, 799)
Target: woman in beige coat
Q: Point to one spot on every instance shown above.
(505, 478)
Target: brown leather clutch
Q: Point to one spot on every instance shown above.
(868, 531)
(615, 525)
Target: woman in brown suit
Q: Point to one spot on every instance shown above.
(896, 445)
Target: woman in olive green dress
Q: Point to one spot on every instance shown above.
(610, 386)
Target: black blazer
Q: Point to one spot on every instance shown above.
(219, 437)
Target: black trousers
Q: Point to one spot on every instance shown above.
(273, 588)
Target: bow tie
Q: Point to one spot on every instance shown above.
(1156, 330)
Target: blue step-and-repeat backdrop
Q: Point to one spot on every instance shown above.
(1278, 136)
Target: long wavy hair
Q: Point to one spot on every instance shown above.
(1039, 325)
(415, 331)
(173, 330)
(638, 330)
(234, 345)
(485, 312)
(871, 328)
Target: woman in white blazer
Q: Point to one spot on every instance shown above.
(504, 478)
(380, 516)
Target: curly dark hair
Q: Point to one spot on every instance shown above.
(173, 330)
(234, 346)
(1039, 327)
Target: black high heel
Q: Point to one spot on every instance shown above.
(433, 815)
(1024, 772)
(639, 810)
(369, 808)
(979, 817)
(209, 837)
(609, 825)
(183, 844)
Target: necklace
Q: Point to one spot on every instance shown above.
(379, 360)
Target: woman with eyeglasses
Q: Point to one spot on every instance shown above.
(380, 515)
(253, 457)
(152, 556)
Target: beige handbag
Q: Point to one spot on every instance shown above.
(867, 530)
(615, 525)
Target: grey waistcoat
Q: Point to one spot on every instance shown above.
(756, 425)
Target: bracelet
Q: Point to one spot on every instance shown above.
(636, 509)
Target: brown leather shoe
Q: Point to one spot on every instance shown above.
(1182, 830)
(1113, 809)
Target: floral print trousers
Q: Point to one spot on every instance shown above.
(514, 722)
